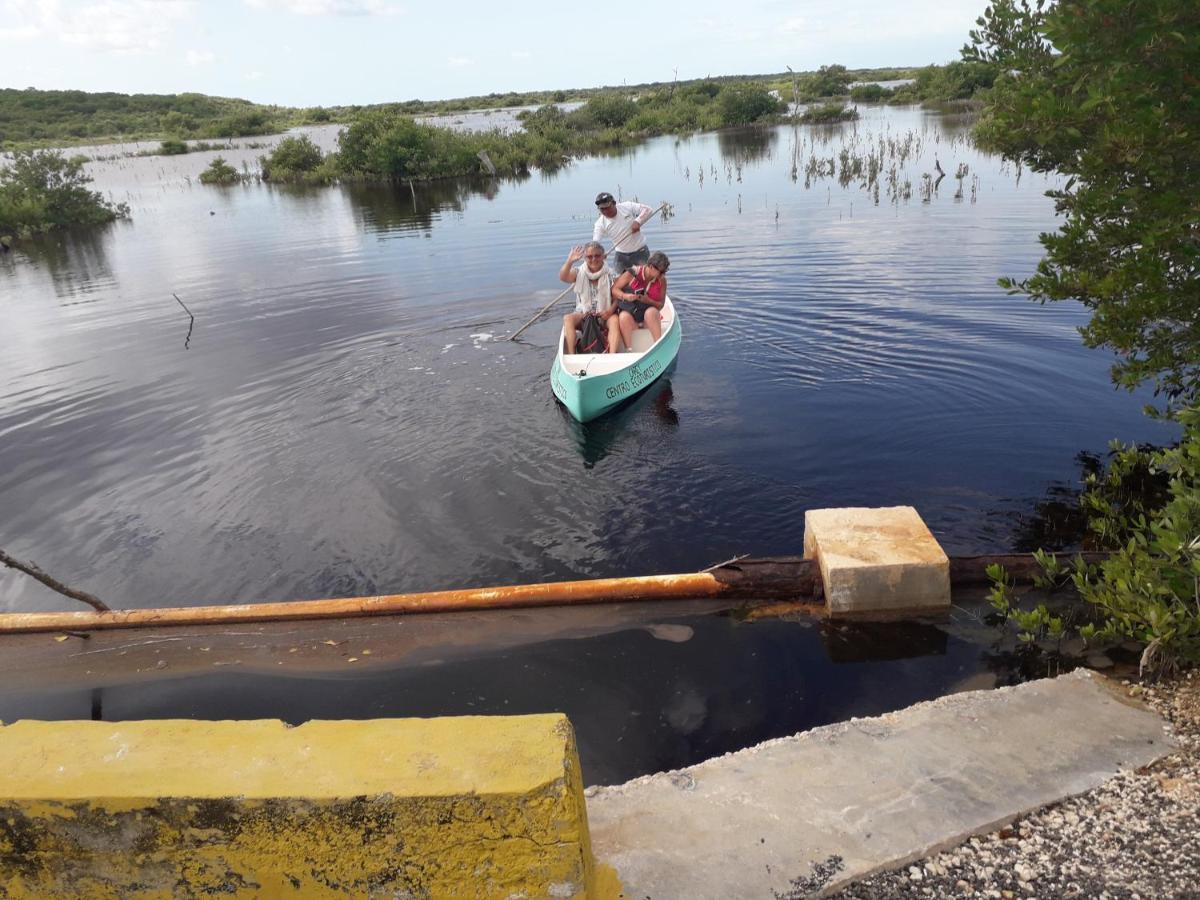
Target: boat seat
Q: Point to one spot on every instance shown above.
(642, 341)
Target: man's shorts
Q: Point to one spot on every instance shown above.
(629, 260)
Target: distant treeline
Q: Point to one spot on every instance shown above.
(33, 118)
(42, 118)
(387, 143)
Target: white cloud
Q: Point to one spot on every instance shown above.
(199, 57)
(329, 7)
(521, 54)
(254, 76)
(794, 26)
(459, 62)
(117, 26)
(20, 33)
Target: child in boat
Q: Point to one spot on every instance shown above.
(640, 294)
(593, 293)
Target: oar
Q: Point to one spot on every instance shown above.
(541, 312)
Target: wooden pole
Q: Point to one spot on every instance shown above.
(541, 312)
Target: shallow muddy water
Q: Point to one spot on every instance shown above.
(343, 418)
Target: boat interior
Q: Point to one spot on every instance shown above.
(603, 363)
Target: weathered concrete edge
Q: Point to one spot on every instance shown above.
(848, 724)
(1168, 745)
(832, 733)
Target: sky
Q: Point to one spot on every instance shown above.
(329, 52)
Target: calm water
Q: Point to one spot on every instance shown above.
(344, 419)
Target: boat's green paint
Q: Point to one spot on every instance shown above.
(589, 396)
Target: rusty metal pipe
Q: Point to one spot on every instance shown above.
(561, 593)
(786, 578)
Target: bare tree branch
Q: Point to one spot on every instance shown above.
(33, 571)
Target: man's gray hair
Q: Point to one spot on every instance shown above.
(593, 245)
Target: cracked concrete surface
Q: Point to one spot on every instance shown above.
(805, 814)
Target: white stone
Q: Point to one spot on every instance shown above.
(877, 560)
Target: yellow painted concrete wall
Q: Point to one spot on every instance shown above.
(454, 807)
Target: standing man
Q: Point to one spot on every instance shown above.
(622, 223)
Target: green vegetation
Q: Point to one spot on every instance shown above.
(1148, 590)
(1114, 108)
(828, 112)
(953, 81)
(744, 104)
(827, 81)
(388, 145)
(172, 147)
(32, 117)
(220, 172)
(870, 93)
(43, 190)
(298, 159)
(1101, 92)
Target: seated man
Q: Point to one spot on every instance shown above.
(640, 294)
(593, 293)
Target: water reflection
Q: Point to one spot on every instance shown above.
(77, 261)
(747, 144)
(668, 694)
(875, 642)
(596, 439)
(415, 207)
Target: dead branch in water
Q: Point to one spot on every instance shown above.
(32, 570)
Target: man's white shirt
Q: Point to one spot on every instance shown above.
(621, 226)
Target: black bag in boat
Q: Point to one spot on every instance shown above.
(593, 337)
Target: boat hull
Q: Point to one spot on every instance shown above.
(588, 396)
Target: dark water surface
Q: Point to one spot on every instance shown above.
(343, 419)
(667, 693)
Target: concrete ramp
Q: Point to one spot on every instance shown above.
(800, 815)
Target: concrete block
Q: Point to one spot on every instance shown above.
(463, 807)
(877, 560)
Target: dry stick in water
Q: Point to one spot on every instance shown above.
(191, 324)
(541, 312)
(33, 571)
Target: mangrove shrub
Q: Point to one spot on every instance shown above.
(293, 159)
(610, 110)
(42, 190)
(220, 172)
(1148, 589)
(827, 81)
(742, 104)
(1106, 93)
(829, 112)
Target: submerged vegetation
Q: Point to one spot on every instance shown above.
(43, 190)
(829, 112)
(219, 171)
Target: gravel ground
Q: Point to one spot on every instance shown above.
(1135, 836)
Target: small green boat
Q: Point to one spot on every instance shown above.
(590, 384)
